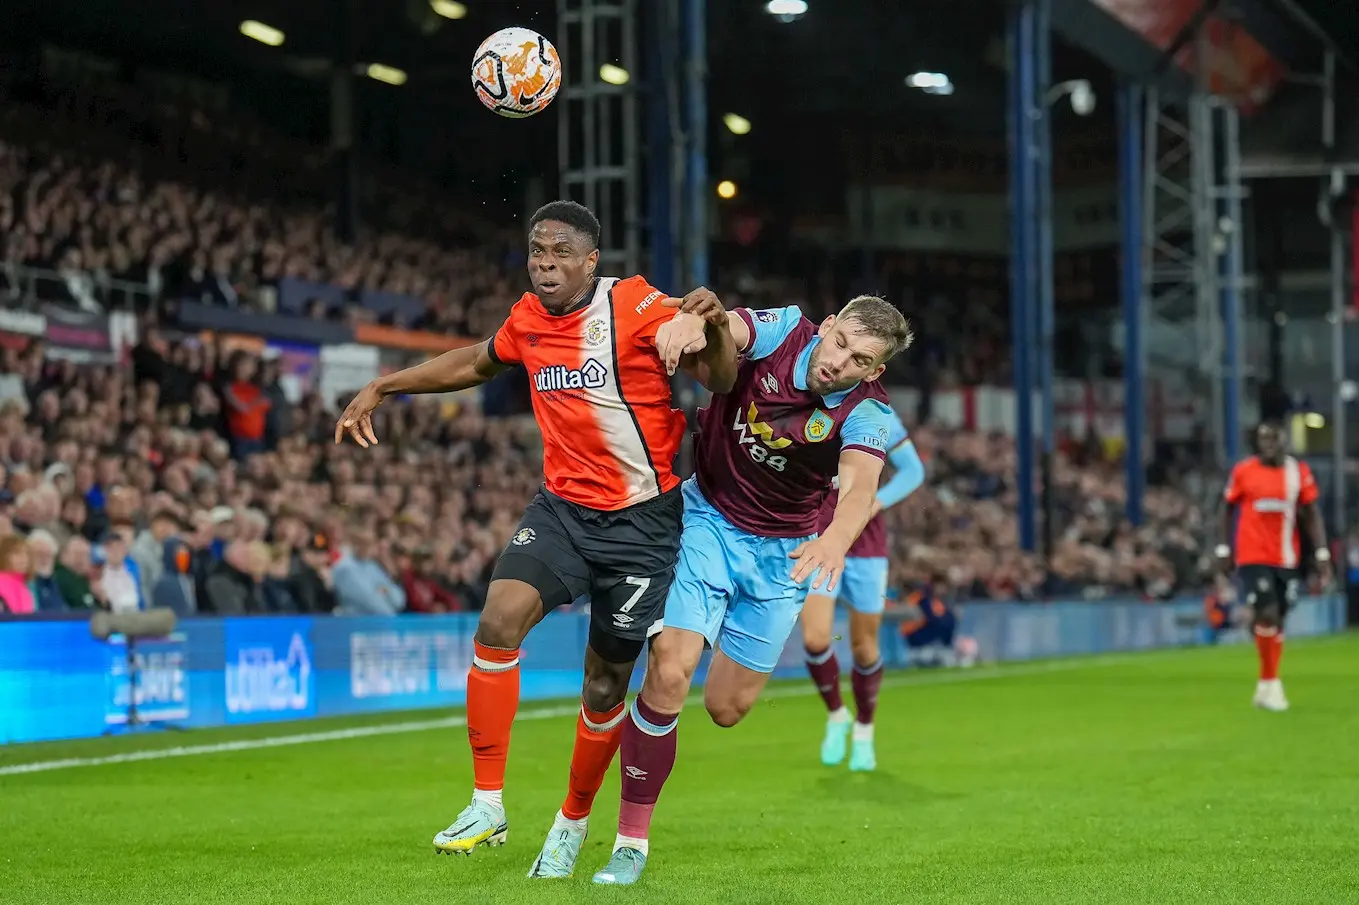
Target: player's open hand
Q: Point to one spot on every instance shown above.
(822, 560)
(357, 420)
(682, 335)
(702, 302)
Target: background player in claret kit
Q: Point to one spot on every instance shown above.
(1266, 496)
(863, 588)
(607, 521)
(804, 406)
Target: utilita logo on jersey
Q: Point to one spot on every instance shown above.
(559, 378)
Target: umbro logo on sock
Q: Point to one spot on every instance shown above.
(635, 773)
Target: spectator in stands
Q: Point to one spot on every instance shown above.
(42, 549)
(247, 407)
(74, 574)
(424, 592)
(16, 571)
(278, 595)
(119, 586)
(311, 579)
(234, 586)
(363, 587)
(148, 551)
(175, 588)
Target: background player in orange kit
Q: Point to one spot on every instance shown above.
(607, 521)
(1270, 492)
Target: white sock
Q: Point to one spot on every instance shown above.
(622, 841)
(863, 732)
(490, 796)
(563, 822)
(839, 716)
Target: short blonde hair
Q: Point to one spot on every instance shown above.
(880, 319)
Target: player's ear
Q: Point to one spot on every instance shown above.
(875, 373)
(824, 330)
(592, 261)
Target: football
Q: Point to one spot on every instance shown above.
(516, 72)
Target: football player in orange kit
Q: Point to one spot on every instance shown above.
(605, 524)
(1271, 492)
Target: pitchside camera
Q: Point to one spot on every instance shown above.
(154, 623)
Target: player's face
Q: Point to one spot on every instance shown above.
(1269, 443)
(560, 263)
(845, 356)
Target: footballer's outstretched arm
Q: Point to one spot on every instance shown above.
(457, 369)
(858, 480)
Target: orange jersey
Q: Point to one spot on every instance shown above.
(1267, 499)
(600, 392)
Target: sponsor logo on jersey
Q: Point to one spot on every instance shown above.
(596, 332)
(766, 317)
(761, 429)
(770, 384)
(650, 300)
(1272, 505)
(555, 378)
(818, 427)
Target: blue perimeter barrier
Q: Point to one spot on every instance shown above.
(57, 682)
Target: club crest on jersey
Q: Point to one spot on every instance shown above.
(596, 332)
(818, 427)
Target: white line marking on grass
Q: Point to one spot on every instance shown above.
(942, 677)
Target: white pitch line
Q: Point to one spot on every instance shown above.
(949, 677)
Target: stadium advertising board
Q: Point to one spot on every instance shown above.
(57, 682)
(268, 671)
(162, 688)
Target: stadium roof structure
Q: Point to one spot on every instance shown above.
(845, 59)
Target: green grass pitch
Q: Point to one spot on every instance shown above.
(1141, 779)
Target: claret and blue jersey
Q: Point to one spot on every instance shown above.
(767, 453)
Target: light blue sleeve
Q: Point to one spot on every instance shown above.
(769, 328)
(910, 474)
(869, 427)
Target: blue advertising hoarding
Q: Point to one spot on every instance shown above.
(57, 682)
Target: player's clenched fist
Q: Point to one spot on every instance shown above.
(357, 420)
(702, 302)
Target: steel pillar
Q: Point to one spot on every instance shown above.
(1337, 190)
(694, 31)
(1192, 262)
(1047, 317)
(1130, 203)
(1023, 255)
(599, 143)
(664, 160)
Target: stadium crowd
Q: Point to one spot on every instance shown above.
(188, 479)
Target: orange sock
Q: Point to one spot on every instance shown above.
(597, 738)
(1269, 645)
(492, 699)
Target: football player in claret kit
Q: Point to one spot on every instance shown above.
(805, 407)
(1267, 496)
(606, 522)
(863, 588)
